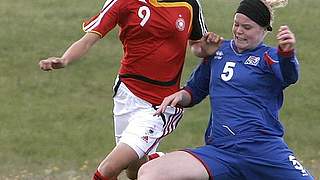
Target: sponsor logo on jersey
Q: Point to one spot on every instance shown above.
(218, 55)
(297, 165)
(180, 24)
(252, 60)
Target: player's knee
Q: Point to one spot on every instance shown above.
(142, 173)
(133, 168)
(146, 173)
(131, 174)
(109, 168)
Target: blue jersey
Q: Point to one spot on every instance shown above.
(245, 89)
(244, 136)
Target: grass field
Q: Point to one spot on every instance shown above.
(58, 125)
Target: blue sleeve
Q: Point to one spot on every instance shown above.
(198, 83)
(284, 65)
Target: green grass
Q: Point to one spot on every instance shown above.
(58, 125)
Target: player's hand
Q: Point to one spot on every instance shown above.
(211, 42)
(171, 100)
(52, 63)
(286, 39)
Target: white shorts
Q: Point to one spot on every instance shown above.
(135, 124)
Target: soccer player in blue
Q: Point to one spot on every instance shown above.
(244, 79)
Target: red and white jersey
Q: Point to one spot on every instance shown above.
(154, 35)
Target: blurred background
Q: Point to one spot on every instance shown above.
(58, 125)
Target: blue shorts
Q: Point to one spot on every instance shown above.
(251, 158)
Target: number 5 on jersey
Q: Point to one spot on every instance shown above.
(144, 14)
(227, 72)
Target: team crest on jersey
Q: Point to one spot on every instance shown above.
(180, 24)
(218, 55)
(252, 60)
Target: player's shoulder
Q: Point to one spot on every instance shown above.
(264, 48)
(193, 3)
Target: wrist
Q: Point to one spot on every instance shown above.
(64, 61)
(285, 53)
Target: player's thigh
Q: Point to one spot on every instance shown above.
(177, 165)
(144, 130)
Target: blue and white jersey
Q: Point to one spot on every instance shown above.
(245, 89)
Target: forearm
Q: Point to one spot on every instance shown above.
(197, 50)
(74, 52)
(289, 66)
(79, 48)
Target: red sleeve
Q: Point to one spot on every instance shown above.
(105, 20)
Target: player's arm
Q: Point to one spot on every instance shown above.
(181, 98)
(282, 60)
(202, 42)
(206, 46)
(196, 89)
(74, 52)
(288, 61)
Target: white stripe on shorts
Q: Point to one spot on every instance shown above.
(170, 124)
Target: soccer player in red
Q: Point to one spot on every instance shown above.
(154, 35)
(245, 80)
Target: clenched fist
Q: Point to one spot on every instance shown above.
(52, 63)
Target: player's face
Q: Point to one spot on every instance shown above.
(247, 34)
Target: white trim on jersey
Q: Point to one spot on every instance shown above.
(93, 24)
(201, 19)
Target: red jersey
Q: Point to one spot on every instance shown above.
(154, 35)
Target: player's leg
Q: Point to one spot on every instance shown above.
(137, 130)
(177, 165)
(133, 168)
(202, 163)
(272, 159)
(148, 130)
(120, 157)
(277, 167)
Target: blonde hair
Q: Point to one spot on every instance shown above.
(274, 4)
